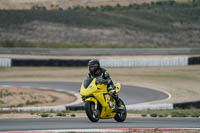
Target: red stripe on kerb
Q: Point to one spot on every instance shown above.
(24, 132)
(150, 129)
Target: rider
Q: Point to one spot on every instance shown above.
(102, 76)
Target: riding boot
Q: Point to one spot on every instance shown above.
(116, 97)
(118, 104)
(112, 91)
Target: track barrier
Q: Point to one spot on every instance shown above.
(107, 62)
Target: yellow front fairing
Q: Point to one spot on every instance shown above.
(99, 94)
(92, 88)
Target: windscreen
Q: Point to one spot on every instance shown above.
(87, 82)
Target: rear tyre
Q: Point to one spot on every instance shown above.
(121, 115)
(91, 112)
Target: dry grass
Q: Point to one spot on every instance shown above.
(181, 82)
(19, 97)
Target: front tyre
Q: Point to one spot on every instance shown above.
(91, 112)
(121, 115)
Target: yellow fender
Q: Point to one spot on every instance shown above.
(92, 99)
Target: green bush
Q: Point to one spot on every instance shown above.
(144, 115)
(78, 7)
(5, 93)
(28, 102)
(107, 8)
(15, 43)
(33, 112)
(153, 115)
(40, 8)
(195, 115)
(73, 115)
(60, 114)
(163, 115)
(179, 114)
(44, 115)
(2, 102)
(20, 105)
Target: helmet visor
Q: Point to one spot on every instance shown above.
(91, 68)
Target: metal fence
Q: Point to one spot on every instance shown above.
(4, 62)
(145, 62)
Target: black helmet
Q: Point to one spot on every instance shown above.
(93, 66)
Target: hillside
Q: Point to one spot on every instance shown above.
(64, 4)
(159, 24)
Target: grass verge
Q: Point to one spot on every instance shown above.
(31, 44)
(36, 114)
(193, 112)
(168, 113)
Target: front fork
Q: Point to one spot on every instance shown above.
(95, 106)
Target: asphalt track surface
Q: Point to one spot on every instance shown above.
(130, 94)
(84, 123)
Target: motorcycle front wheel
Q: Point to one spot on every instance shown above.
(121, 115)
(91, 112)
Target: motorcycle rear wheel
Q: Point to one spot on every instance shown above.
(91, 112)
(121, 116)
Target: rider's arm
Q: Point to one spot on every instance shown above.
(107, 78)
(109, 83)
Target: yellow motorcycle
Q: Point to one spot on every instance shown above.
(99, 104)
